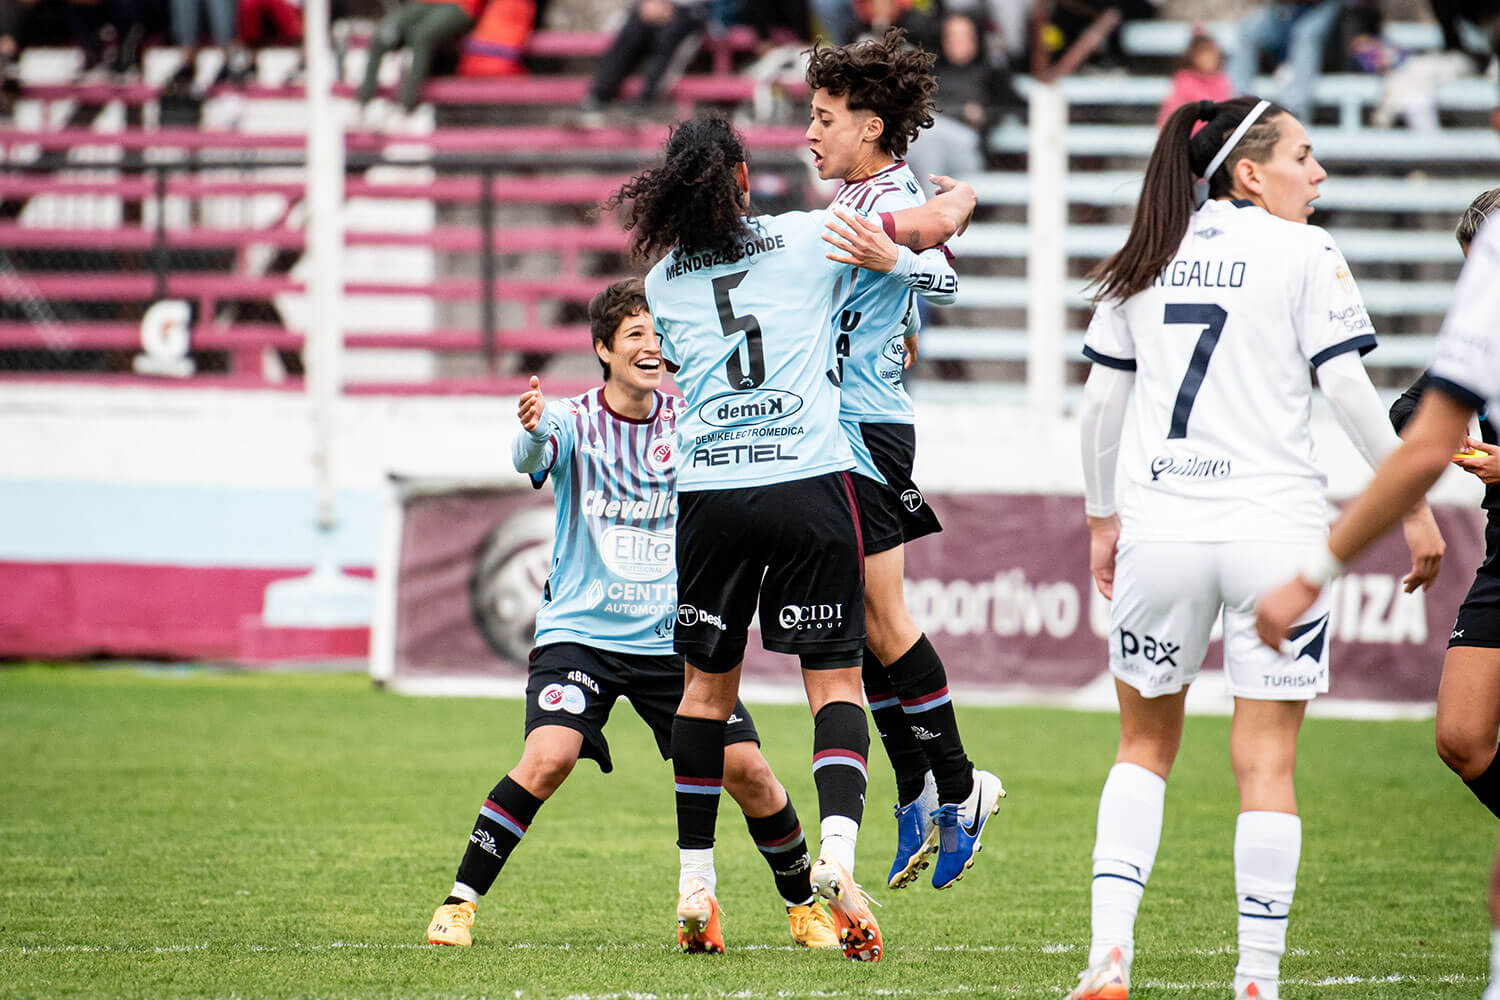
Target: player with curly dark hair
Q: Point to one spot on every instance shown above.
(888, 78)
(744, 305)
(868, 99)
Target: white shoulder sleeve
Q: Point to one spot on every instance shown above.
(1105, 397)
(1357, 406)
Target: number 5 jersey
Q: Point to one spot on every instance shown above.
(753, 340)
(1223, 343)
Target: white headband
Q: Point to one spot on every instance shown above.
(1234, 138)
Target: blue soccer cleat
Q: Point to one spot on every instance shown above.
(916, 836)
(959, 826)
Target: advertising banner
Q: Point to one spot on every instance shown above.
(1003, 592)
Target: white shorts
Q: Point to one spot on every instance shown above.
(1167, 596)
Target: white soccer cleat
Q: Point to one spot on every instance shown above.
(1106, 980)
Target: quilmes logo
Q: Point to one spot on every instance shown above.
(1191, 467)
(802, 617)
(748, 409)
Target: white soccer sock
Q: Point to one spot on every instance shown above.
(463, 891)
(839, 835)
(696, 863)
(1492, 991)
(1125, 842)
(1267, 848)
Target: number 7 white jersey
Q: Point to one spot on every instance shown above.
(753, 341)
(1218, 446)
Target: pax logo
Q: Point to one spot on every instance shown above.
(1148, 647)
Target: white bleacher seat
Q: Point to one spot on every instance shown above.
(1461, 145)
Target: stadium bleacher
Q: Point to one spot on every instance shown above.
(103, 217)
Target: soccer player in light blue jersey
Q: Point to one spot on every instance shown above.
(869, 99)
(744, 306)
(608, 611)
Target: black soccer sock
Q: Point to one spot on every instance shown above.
(908, 759)
(841, 744)
(502, 822)
(1486, 787)
(698, 764)
(779, 838)
(922, 685)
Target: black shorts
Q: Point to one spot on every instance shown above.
(1478, 621)
(576, 687)
(893, 512)
(792, 548)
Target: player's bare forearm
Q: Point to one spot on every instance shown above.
(937, 220)
(1404, 477)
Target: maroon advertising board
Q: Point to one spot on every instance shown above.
(1003, 592)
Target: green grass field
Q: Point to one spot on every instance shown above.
(187, 833)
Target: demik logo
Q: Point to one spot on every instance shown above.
(911, 500)
(895, 350)
(660, 454)
(749, 408)
(803, 617)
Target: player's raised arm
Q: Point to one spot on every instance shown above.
(529, 451)
(863, 242)
(937, 220)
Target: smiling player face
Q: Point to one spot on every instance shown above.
(634, 360)
(843, 142)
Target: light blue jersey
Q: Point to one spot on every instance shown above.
(872, 326)
(613, 580)
(753, 339)
(881, 310)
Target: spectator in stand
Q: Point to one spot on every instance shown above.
(1412, 79)
(270, 22)
(1290, 30)
(109, 32)
(1200, 78)
(13, 15)
(972, 95)
(842, 21)
(427, 27)
(651, 36)
(187, 32)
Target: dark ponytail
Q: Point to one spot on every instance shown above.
(692, 201)
(1169, 191)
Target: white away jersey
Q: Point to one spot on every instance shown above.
(870, 329)
(613, 580)
(753, 341)
(1468, 348)
(1217, 447)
